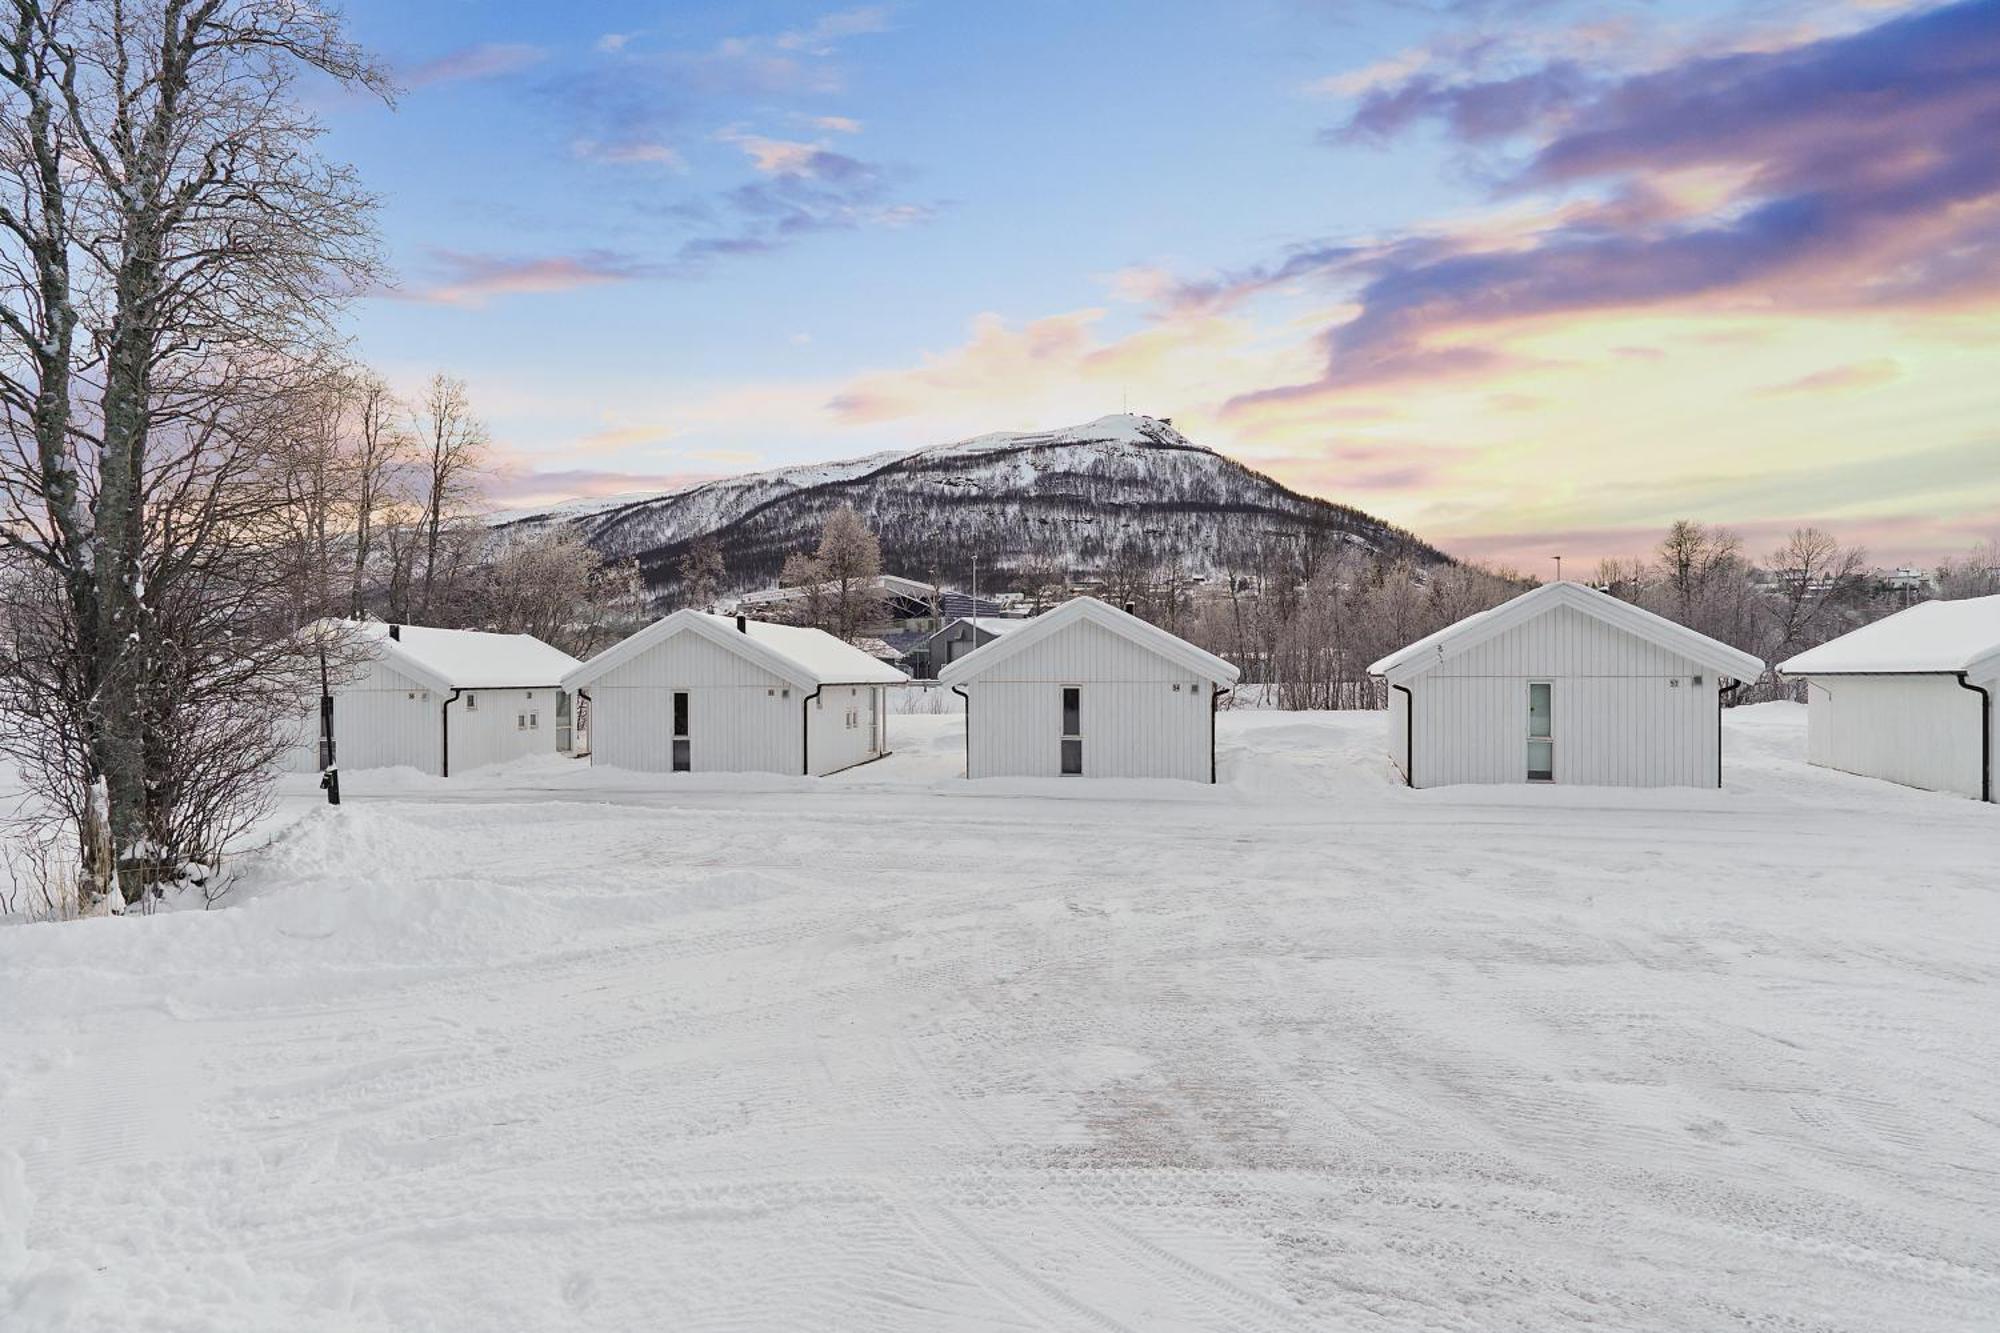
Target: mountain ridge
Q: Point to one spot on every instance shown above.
(1122, 488)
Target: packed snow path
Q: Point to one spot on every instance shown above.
(551, 1048)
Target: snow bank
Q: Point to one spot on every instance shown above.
(561, 1048)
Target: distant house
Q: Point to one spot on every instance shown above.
(703, 693)
(932, 652)
(1091, 691)
(441, 701)
(1562, 684)
(1909, 698)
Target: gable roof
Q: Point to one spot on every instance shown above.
(994, 625)
(1929, 637)
(1468, 633)
(806, 657)
(459, 659)
(1088, 609)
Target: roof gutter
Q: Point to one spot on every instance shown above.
(805, 731)
(1985, 735)
(1726, 691)
(444, 716)
(959, 690)
(1410, 733)
(1214, 708)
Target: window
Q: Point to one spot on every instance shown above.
(1541, 732)
(1072, 732)
(535, 721)
(683, 757)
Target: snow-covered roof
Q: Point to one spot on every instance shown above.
(1476, 629)
(461, 659)
(894, 584)
(1928, 637)
(991, 654)
(806, 657)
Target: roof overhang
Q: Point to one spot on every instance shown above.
(1453, 640)
(1175, 649)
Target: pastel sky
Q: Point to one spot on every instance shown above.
(1526, 277)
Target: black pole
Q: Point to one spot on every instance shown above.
(329, 772)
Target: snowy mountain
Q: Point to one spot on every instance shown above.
(1118, 488)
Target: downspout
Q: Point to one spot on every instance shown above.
(959, 690)
(444, 715)
(1214, 707)
(805, 731)
(585, 696)
(1729, 689)
(1985, 736)
(1409, 736)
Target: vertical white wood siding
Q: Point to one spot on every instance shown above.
(492, 732)
(385, 719)
(741, 717)
(1135, 723)
(840, 727)
(1626, 712)
(1921, 731)
(382, 719)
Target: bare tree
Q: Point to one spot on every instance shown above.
(701, 573)
(164, 195)
(1815, 579)
(1975, 574)
(850, 562)
(380, 451)
(451, 447)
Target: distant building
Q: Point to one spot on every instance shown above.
(1563, 684)
(932, 652)
(441, 701)
(1909, 698)
(710, 694)
(1088, 690)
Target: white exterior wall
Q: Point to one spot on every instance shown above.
(490, 732)
(383, 719)
(741, 717)
(1921, 731)
(1135, 724)
(1618, 717)
(836, 745)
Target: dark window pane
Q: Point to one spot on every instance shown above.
(1072, 711)
(681, 754)
(1072, 755)
(680, 714)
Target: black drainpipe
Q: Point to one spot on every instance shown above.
(1729, 689)
(959, 690)
(585, 696)
(805, 732)
(1985, 736)
(1214, 706)
(1410, 735)
(444, 714)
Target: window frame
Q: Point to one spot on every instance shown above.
(1071, 740)
(1549, 740)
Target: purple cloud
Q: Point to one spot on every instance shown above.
(1867, 168)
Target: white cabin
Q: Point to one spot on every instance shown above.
(1087, 690)
(1909, 698)
(1563, 684)
(701, 693)
(441, 701)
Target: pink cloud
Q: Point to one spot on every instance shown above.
(484, 61)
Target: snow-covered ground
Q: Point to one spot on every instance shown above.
(552, 1048)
